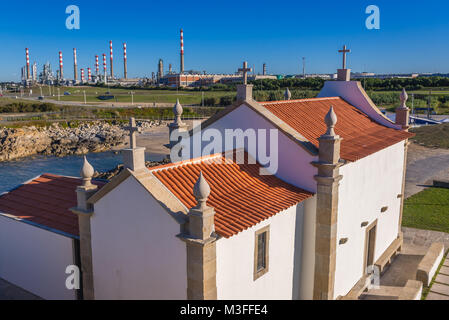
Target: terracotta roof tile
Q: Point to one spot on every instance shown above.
(361, 135)
(45, 200)
(240, 195)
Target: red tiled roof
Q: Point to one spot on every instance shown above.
(241, 197)
(45, 200)
(361, 135)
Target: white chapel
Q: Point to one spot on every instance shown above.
(212, 227)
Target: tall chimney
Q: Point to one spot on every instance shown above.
(75, 68)
(160, 72)
(169, 68)
(181, 70)
(97, 67)
(110, 55)
(125, 71)
(27, 54)
(89, 75)
(264, 69)
(61, 75)
(104, 66)
(82, 75)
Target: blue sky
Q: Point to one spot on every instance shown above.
(219, 35)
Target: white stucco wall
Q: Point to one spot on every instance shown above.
(353, 93)
(367, 185)
(136, 254)
(235, 260)
(293, 161)
(35, 259)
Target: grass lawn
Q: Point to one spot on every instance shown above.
(432, 136)
(428, 209)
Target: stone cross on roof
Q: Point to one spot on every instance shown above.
(245, 70)
(132, 128)
(344, 51)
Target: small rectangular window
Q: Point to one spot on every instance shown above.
(261, 252)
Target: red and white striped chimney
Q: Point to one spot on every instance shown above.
(61, 75)
(27, 54)
(89, 75)
(82, 75)
(111, 56)
(125, 71)
(104, 64)
(75, 68)
(182, 52)
(97, 67)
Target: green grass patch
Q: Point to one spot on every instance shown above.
(428, 209)
(432, 136)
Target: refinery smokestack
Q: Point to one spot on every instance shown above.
(110, 54)
(169, 68)
(181, 70)
(61, 75)
(75, 68)
(160, 72)
(82, 75)
(27, 54)
(97, 67)
(264, 69)
(104, 68)
(125, 70)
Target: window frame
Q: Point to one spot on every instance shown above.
(258, 273)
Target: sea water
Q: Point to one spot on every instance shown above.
(14, 173)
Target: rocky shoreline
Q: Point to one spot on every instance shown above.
(56, 140)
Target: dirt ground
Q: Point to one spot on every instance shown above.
(423, 166)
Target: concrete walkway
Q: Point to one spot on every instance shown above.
(440, 288)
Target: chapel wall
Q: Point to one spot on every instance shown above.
(367, 186)
(135, 251)
(235, 260)
(35, 259)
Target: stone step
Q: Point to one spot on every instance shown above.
(383, 293)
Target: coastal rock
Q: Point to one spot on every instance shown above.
(77, 138)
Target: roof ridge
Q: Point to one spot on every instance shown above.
(193, 160)
(299, 100)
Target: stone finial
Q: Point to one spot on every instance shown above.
(403, 97)
(287, 94)
(87, 172)
(177, 110)
(331, 120)
(201, 191)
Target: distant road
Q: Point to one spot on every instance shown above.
(98, 104)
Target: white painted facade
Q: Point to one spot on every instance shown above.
(35, 259)
(136, 254)
(293, 161)
(367, 185)
(235, 260)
